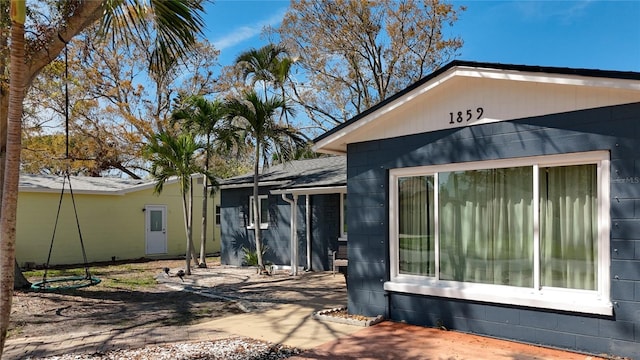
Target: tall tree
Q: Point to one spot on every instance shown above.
(177, 24)
(255, 119)
(115, 106)
(203, 117)
(176, 157)
(357, 53)
(12, 167)
(268, 68)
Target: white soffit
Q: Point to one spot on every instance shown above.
(466, 95)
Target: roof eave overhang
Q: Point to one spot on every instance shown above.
(312, 190)
(335, 141)
(75, 192)
(121, 190)
(250, 184)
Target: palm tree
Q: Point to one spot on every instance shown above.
(270, 65)
(254, 118)
(176, 157)
(261, 65)
(202, 117)
(177, 22)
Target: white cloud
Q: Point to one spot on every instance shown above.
(566, 11)
(243, 33)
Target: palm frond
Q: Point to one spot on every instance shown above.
(174, 26)
(173, 157)
(260, 64)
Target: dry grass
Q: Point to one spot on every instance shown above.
(127, 297)
(136, 275)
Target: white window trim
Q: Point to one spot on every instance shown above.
(263, 225)
(217, 214)
(583, 301)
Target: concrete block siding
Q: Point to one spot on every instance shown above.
(325, 222)
(613, 128)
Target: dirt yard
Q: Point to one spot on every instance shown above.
(110, 305)
(140, 294)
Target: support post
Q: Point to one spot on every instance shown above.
(308, 229)
(294, 232)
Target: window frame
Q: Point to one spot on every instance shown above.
(572, 300)
(263, 224)
(217, 218)
(343, 218)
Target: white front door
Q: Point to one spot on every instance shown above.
(156, 229)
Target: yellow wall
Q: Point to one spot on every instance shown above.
(112, 225)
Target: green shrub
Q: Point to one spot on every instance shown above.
(251, 255)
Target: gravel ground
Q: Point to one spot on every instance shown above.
(225, 349)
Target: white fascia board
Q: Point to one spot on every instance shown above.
(75, 192)
(319, 149)
(141, 187)
(325, 143)
(144, 186)
(152, 184)
(312, 191)
(119, 192)
(548, 78)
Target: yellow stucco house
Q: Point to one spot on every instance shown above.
(119, 219)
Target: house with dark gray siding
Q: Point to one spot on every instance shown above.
(302, 204)
(500, 200)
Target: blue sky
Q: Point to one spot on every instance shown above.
(581, 34)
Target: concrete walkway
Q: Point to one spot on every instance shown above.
(288, 324)
(292, 324)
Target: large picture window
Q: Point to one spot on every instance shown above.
(486, 226)
(531, 231)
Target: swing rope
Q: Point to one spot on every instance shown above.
(72, 282)
(87, 272)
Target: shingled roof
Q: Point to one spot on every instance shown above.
(82, 184)
(297, 174)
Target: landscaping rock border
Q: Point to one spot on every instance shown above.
(340, 315)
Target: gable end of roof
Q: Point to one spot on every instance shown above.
(562, 71)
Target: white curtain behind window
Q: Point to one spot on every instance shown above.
(568, 226)
(486, 226)
(415, 217)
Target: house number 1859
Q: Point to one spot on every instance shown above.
(465, 116)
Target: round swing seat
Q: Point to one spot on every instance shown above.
(65, 283)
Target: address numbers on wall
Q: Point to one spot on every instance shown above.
(464, 116)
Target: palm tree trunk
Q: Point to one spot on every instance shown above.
(17, 72)
(194, 257)
(187, 227)
(256, 208)
(203, 236)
